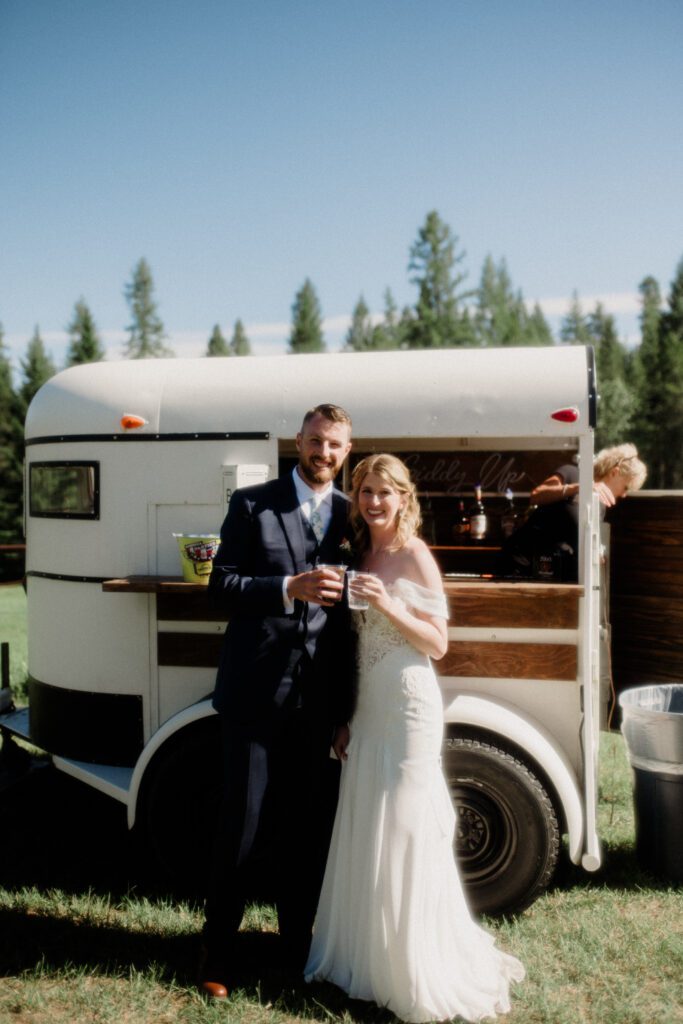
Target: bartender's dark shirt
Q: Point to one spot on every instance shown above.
(549, 529)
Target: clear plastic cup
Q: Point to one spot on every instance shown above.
(356, 603)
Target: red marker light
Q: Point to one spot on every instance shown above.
(129, 421)
(569, 415)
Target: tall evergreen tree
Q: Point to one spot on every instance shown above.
(11, 462)
(37, 367)
(435, 266)
(217, 346)
(617, 404)
(538, 329)
(574, 329)
(239, 343)
(307, 332)
(85, 345)
(391, 332)
(648, 383)
(501, 317)
(360, 336)
(671, 367)
(146, 331)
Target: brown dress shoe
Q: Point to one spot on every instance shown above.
(206, 973)
(213, 990)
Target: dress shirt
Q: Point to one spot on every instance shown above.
(308, 500)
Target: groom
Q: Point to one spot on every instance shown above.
(284, 682)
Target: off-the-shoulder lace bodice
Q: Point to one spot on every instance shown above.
(377, 635)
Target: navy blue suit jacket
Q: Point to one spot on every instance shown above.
(269, 658)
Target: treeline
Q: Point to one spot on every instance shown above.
(641, 389)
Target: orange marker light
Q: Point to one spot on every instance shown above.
(129, 421)
(569, 415)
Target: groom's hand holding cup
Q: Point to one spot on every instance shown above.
(323, 585)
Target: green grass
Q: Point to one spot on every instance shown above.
(88, 935)
(13, 630)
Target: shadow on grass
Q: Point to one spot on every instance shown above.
(619, 871)
(59, 834)
(30, 941)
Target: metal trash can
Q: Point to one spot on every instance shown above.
(652, 724)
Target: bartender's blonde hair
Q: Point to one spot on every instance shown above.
(396, 474)
(623, 457)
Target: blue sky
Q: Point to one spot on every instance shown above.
(241, 147)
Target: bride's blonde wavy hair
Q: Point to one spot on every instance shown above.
(391, 469)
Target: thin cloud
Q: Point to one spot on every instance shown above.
(617, 303)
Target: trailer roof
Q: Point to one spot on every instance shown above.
(504, 392)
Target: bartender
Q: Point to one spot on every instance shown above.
(551, 531)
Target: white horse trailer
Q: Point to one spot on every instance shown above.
(122, 652)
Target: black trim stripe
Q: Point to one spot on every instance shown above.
(253, 435)
(70, 579)
(99, 728)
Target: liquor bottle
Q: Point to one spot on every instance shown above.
(508, 520)
(461, 526)
(547, 564)
(479, 523)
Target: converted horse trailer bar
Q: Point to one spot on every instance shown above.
(122, 653)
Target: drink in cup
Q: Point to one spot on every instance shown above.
(356, 602)
(338, 569)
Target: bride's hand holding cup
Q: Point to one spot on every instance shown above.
(364, 589)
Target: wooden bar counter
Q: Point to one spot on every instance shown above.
(497, 629)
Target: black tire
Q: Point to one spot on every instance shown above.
(507, 836)
(180, 806)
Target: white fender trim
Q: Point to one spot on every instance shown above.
(195, 713)
(508, 722)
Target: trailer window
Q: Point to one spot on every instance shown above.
(64, 490)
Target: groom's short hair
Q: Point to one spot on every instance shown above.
(335, 413)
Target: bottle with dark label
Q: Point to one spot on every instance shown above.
(508, 520)
(479, 524)
(461, 526)
(547, 565)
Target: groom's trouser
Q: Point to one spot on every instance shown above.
(280, 798)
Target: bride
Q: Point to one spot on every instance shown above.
(392, 923)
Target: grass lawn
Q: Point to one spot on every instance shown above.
(87, 934)
(13, 630)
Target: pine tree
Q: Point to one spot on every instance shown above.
(239, 343)
(501, 317)
(146, 332)
(434, 263)
(538, 329)
(307, 334)
(391, 332)
(11, 466)
(648, 383)
(574, 329)
(671, 370)
(617, 403)
(37, 367)
(217, 346)
(360, 336)
(85, 345)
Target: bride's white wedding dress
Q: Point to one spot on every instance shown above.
(393, 925)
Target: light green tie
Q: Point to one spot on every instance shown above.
(315, 519)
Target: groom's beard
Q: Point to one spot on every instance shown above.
(317, 474)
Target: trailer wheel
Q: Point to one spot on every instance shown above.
(181, 803)
(507, 836)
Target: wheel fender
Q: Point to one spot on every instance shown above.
(174, 725)
(530, 736)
